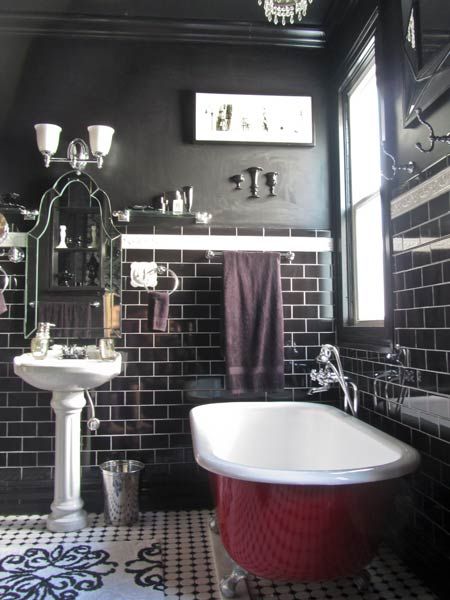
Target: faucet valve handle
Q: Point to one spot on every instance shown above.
(93, 424)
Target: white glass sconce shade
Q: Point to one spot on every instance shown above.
(100, 138)
(47, 136)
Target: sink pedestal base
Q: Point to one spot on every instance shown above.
(67, 506)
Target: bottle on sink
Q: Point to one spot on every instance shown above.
(41, 342)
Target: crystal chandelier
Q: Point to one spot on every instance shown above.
(286, 10)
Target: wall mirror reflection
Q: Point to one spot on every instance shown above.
(74, 262)
(426, 42)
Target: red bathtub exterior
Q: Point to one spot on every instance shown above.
(301, 533)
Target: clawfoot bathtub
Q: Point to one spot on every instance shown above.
(301, 489)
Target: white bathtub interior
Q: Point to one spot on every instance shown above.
(293, 443)
(309, 439)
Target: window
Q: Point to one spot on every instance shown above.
(364, 264)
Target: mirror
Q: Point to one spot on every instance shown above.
(4, 228)
(426, 42)
(73, 276)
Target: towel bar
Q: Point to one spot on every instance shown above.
(209, 254)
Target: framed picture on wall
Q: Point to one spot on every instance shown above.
(253, 119)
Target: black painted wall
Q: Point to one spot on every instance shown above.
(141, 90)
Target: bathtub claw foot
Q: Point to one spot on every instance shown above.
(228, 584)
(213, 525)
(362, 581)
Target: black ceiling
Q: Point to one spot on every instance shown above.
(235, 21)
(210, 10)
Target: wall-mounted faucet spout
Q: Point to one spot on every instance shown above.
(317, 390)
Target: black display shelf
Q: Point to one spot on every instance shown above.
(149, 216)
(77, 249)
(75, 288)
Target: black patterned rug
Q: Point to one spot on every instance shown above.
(82, 571)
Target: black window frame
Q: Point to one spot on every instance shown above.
(377, 336)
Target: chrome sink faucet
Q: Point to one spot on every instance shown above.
(73, 352)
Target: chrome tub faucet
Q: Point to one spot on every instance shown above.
(329, 374)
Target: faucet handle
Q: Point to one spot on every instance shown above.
(314, 375)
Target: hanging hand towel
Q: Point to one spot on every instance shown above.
(253, 320)
(158, 311)
(72, 319)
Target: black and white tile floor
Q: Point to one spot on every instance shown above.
(189, 562)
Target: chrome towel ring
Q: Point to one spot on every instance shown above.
(143, 274)
(5, 279)
(176, 282)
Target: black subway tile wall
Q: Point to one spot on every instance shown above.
(421, 286)
(144, 411)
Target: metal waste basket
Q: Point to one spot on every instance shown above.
(121, 487)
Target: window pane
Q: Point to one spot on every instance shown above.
(368, 245)
(364, 137)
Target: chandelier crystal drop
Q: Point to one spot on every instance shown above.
(285, 10)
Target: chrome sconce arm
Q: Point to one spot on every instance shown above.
(409, 167)
(431, 137)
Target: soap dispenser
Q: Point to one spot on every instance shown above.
(40, 344)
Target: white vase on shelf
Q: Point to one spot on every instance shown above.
(62, 237)
(93, 242)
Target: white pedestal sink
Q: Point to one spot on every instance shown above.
(67, 379)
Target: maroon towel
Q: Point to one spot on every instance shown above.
(70, 318)
(253, 321)
(158, 310)
(3, 307)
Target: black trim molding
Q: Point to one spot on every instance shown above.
(152, 29)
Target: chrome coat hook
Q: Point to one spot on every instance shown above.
(409, 167)
(433, 138)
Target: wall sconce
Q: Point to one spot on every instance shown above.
(100, 138)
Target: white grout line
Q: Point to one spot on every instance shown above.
(139, 241)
